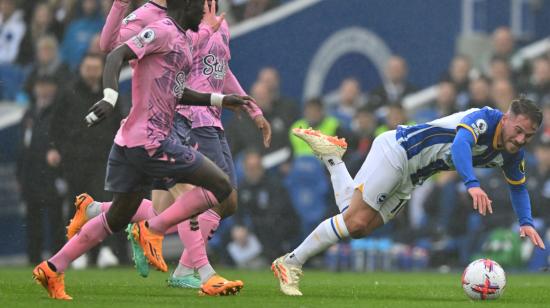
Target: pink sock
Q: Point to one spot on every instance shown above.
(193, 202)
(145, 210)
(93, 232)
(208, 223)
(194, 255)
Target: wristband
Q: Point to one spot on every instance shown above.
(110, 96)
(216, 99)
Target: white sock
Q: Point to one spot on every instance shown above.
(342, 183)
(93, 210)
(325, 235)
(183, 270)
(206, 272)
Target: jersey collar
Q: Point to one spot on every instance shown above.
(157, 5)
(498, 131)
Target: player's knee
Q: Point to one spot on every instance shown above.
(116, 221)
(357, 228)
(229, 206)
(222, 188)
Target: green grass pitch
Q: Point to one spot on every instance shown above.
(122, 287)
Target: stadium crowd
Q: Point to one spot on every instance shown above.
(51, 62)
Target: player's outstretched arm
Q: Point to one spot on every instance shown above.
(232, 102)
(102, 109)
(110, 34)
(461, 152)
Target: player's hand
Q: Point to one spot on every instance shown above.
(481, 201)
(210, 17)
(533, 235)
(236, 103)
(98, 112)
(265, 127)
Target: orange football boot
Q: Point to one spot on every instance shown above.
(151, 244)
(81, 203)
(219, 286)
(51, 281)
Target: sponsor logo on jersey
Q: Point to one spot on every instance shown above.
(214, 66)
(179, 85)
(381, 198)
(479, 127)
(147, 36)
(129, 18)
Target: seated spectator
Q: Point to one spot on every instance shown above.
(245, 249)
(395, 87)
(500, 69)
(42, 24)
(459, 75)
(12, 31)
(538, 87)
(444, 104)
(264, 201)
(242, 133)
(502, 93)
(480, 94)
(80, 31)
(360, 141)
(503, 46)
(395, 116)
(344, 103)
(47, 63)
(270, 76)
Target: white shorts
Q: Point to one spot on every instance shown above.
(383, 178)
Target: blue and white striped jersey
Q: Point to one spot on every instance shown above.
(428, 146)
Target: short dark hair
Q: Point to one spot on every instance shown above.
(523, 105)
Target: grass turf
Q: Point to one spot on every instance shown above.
(122, 287)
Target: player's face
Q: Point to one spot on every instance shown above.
(517, 131)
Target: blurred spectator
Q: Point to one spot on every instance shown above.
(265, 202)
(500, 69)
(344, 103)
(503, 46)
(444, 104)
(80, 31)
(94, 44)
(242, 133)
(395, 116)
(243, 9)
(538, 87)
(360, 142)
(37, 173)
(12, 30)
(502, 93)
(270, 76)
(459, 75)
(395, 87)
(47, 63)
(480, 94)
(315, 117)
(539, 180)
(544, 130)
(42, 24)
(245, 249)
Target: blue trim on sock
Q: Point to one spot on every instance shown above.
(334, 228)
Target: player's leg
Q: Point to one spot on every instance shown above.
(330, 150)
(121, 177)
(367, 211)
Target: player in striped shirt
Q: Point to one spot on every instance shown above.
(402, 159)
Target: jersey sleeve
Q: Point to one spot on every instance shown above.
(461, 153)
(152, 39)
(110, 34)
(477, 123)
(514, 169)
